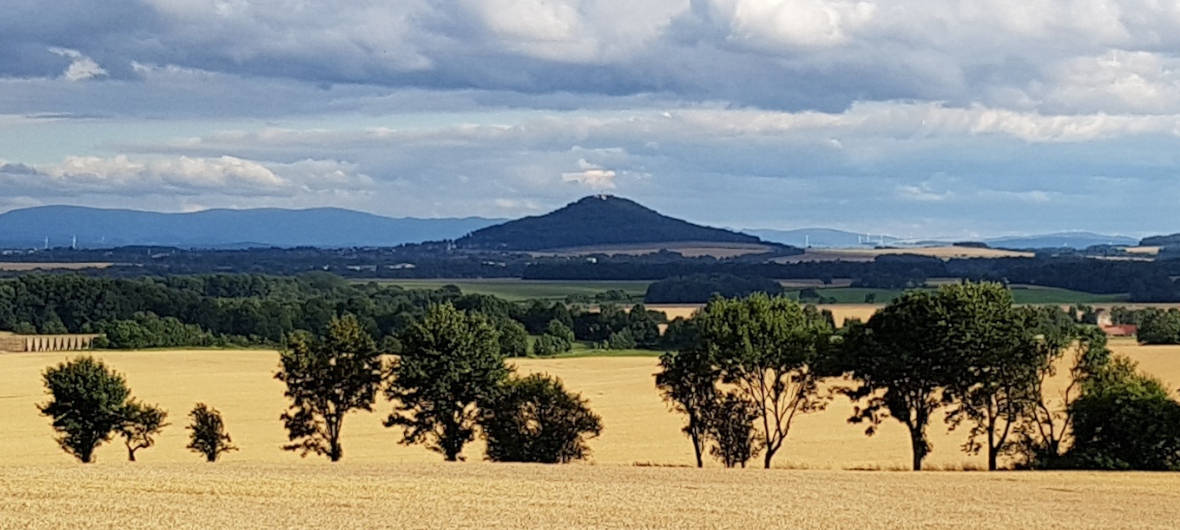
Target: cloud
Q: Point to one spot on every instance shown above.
(183, 175)
(81, 67)
(987, 114)
(781, 54)
(591, 176)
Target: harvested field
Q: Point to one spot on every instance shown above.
(691, 249)
(32, 266)
(869, 254)
(477, 495)
(841, 312)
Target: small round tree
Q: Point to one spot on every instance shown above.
(208, 435)
(87, 404)
(534, 419)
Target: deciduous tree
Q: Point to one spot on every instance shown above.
(87, 404)
(141, 423)
(450, 364)
(768, 348)
(208, 436)
(995, 364)
(1048, 422)
(534, 419)
(900, 362)
(688, 382)
(327, 377)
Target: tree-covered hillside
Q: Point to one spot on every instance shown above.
(596, 220)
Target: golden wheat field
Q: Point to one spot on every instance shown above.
(32, 266)
(638, 426)
(869, 254)
(841, 312)
(479, 495)
(383, 483)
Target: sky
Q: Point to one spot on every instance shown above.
(942, 118)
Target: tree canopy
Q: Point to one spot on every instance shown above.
(327, 377)
(449, 364)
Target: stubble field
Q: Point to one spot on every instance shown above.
(383, 483)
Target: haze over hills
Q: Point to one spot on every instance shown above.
(1078, 240)
(821, 237)
(831, 238)
(597, 220)
(322, 227)
(590, 221)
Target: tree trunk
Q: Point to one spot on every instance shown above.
(130, 454)
(696, 447)
(767, 457)
(917, 447)
(991, 448)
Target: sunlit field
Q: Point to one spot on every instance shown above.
(638, 426)
(636, 475)
(478, 495)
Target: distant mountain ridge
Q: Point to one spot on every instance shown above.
(1169, 240)
(832, 238)
(596, 220)
(1078, 240)
(320, 227)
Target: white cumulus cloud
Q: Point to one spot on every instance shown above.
(81, 67)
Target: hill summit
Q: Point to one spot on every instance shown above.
(596, 220)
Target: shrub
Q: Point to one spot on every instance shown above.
(558, 330)
(621, 340)
(514, 339)
(534, 419)
(208, 435)
(1125, 420)
(141, 422)
(731, 426)
(548, 345)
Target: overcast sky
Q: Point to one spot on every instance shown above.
(916, 118)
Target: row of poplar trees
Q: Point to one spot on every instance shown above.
(754, 365)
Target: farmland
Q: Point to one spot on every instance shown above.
(516, 289)
(688, 249)
(634, 477)
(639, 428)
(869, 254)
(351, 495)
(34, 266)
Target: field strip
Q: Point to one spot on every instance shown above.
(469, 495)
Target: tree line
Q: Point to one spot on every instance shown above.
(448, 382)
(251, 309)
(742, 370)
(1144, 281)
(754, 365)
